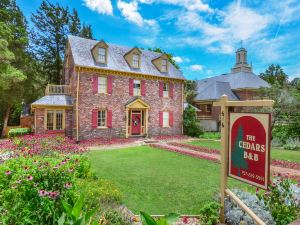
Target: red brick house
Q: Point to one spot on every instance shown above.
(112, 91)
(240, 84)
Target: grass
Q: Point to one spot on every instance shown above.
(276, 153)
(157, 181)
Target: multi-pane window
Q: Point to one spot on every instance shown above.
(165, 119)
(54, 120)
(165, 90)
(136, 87)
(102, 84)
(101, 120)
(135, 60)
(102, 55)
(208, 107)
(164, 65)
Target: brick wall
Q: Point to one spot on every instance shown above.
(117, 101)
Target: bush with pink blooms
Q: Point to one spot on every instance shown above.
(32, 187)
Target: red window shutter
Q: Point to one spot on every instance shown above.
(109, 84)
(109, 118)
(95, 84)
(130, 86)
(143, 86)
(171, 119)
(160, 118)
(171, 90)
(161, 86)
(94, 118)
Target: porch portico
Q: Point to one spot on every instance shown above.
(137, 118)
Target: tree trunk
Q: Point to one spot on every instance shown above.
(6, 117)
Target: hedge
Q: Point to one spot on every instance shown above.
(18, 132)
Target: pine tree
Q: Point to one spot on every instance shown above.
(237, 156)
(74, 24)
(86, 31)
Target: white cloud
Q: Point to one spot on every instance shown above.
(100, 6)
(209, 72)
(178, 59)
(196, 67)
(130, 12)
(192, 5)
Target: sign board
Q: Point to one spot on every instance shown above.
(249, 148)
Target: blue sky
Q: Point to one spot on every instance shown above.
(201, 34)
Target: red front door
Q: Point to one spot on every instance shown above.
(135, 123)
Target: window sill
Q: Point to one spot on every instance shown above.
(166, 127)
(102, 127)
(102, 93)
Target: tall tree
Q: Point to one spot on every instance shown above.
(274, 74)
(170, 56)
(86, 31)
(74, 23)
(190, 91)
(295, 83)
(49, 37)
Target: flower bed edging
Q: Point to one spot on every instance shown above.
(195, 148)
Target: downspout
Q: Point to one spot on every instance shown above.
(77, 103)
(182, 104)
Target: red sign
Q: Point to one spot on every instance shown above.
(249, 148)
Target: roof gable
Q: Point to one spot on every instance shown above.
(81, 51)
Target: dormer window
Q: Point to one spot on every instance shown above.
(164, 65)
(102, 55)
(135, 61)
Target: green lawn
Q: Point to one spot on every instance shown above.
(275, 152)
(158, 181)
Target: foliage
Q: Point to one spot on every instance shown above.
(18, 132)
(166, 220)
(76, 214)
(281, 201)
(169, 55)
(296, 83)
(41, 145)
(52, 24)
(190, 91)
(292, 144)
(32, 187)
(274, 74)
(191, 126)
(234, 214)
(211, 135)
(113, 217)
(98, 192)
(209, 213)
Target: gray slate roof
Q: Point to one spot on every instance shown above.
(56, 100)
(214, 87)
(81, 51)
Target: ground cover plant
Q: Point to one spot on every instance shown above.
(159, 182)
(211, 135)
(18, 132)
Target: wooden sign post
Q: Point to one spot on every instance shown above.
(225, 104)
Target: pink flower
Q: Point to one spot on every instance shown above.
(257, 190)
(42, 193)
(29, 177)
(68, 185)
(185, 219)
(7, 172)
(53, 195)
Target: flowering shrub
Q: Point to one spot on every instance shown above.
(281, 201)
(41, 145)
(31, 188)
(186, 152)
(195, 148)
(286, 164)
(170, 137)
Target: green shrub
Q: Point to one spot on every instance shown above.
(191, 126)
(166, 220)
(18, 132)
(209, 213)
(281, 201)
(113, 217)
(211, 135)
(292, 144)
(31, 188)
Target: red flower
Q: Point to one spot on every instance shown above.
(185, 219)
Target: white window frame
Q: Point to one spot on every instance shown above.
(54, 119)
(166, 119)
(135, 61)
(166, 90)
(102, 123)
(102, 55)
(164, 65)
(136, 90)
(102, 84)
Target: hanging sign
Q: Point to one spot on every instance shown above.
(249, 148)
